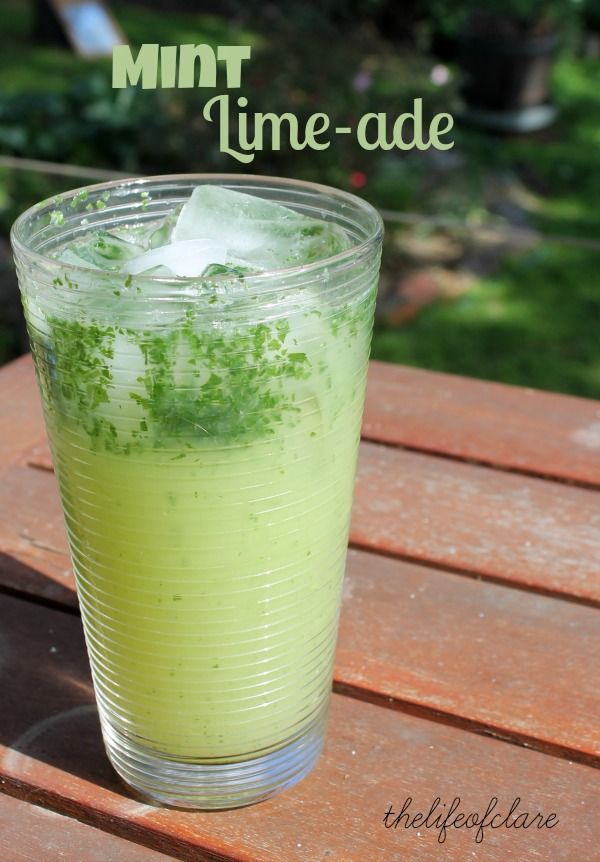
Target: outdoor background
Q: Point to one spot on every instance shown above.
(492, 252)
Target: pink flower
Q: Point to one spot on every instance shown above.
(362, 81)
(440, 75)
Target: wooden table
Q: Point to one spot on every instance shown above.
(468, 660)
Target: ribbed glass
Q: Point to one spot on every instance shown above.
(209, 543)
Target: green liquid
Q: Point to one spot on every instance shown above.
(209, 567)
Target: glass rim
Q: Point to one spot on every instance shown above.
(375, 235)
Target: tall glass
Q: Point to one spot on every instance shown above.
(204, 433)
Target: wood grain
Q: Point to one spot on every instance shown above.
(29, 833)
(515, 529)
(495, 658)
(507, 426)
(465, 649)
(33, 545)
(21, 420)
(52, 753)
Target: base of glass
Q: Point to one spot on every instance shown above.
(213, 786)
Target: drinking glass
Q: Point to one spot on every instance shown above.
(204, 433)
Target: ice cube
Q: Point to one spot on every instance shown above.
(69, 257)
(262, 233)
(162, 234)
(101, 250)
(126, 367)
(186, 258)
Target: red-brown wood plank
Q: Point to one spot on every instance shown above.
(517, 529)
(524, 665)
(508, 426)
(486, 654)
(21, 420)
(51, 752)
(40, 457)
(29, 833)
(33, 545)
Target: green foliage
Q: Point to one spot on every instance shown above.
(87, 123)
(450, 16)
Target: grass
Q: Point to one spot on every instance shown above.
(535, 323)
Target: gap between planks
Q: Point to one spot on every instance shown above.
(472, 574)
(178, 851)
(507, 427)
(446, 456)
(449, 719)
(41, 460)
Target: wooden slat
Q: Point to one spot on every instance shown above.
(21, 420)
(33, 544)
(524, 665)
(495, 657)
(516, 529)
(375, 757)
(29, 833)
(508, 426)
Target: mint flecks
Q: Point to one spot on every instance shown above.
(197, 385)
(353, 317)
(242, 394)
(78, 199)
(176, 380)
(74, 368)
